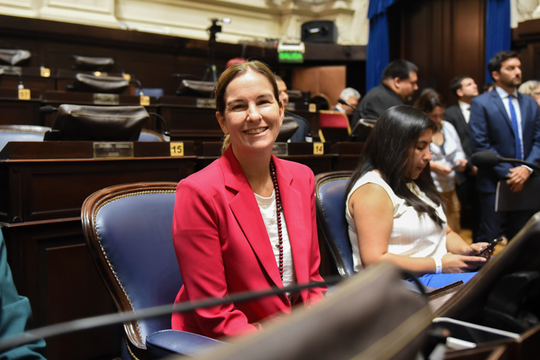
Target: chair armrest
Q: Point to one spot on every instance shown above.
(175, 342)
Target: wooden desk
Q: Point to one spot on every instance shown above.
(19, 112)
(300, 152)
(31, 77)
(347, 155)
(190, 118)
(43, 185)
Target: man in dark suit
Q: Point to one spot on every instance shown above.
(507, 123)
(458, 115)
(398, 84)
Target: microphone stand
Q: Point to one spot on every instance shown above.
(211, 67)
(522, 162)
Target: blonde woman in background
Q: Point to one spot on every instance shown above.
(531, 88)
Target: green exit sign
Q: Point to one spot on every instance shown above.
(291, 57)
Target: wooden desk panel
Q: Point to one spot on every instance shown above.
(31, 78)
(19, 112)
(190, 118)
(53, 268)
(43, 190)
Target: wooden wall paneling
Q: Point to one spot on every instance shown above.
(526, 40)
(328, 80)
(444, 38)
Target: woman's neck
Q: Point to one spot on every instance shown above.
(256, 167)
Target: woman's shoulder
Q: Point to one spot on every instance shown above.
(447, 125)
(374, 180)
(371, 192)
(207, 177)
(372, 176)
(298, 171)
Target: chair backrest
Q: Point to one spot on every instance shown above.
(21, 133)
(128, 229)
(330, 203)
(334, 126)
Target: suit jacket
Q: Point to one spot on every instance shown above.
(223, 247)
(490, 128)
(377, 100)
(455, 117)
(303, 131)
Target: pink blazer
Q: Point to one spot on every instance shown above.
(223, 248)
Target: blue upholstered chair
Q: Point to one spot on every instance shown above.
(21, 133)
(128, 229)
(330, 204)
(150, 135)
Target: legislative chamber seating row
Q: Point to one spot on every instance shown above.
(189, 113)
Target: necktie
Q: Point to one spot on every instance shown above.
(515, 127)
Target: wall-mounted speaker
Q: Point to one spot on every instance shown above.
(319, 31)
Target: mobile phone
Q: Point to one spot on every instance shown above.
(490, 246)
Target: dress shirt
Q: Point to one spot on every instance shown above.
(504, 96)
(465, 110)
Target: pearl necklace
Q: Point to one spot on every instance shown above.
(278, 210)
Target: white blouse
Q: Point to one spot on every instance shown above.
(267, 206)
(412, 234)
(448, 154)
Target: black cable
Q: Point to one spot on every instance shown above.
(166, 133)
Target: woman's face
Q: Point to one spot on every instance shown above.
(419, 155)
(252, 115)
(437, 114)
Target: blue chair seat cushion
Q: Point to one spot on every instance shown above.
(175, 342)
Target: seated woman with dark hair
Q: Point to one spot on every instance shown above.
(393, 209)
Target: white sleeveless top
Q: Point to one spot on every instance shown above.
(412, 234)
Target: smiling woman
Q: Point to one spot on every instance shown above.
(246, 221)
(393, 209)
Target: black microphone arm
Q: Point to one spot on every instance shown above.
(127, 316)
(341, 101)
(491, 159)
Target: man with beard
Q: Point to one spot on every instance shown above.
(398, 84)
(507, 123)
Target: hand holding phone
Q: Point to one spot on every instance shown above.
(490, 246)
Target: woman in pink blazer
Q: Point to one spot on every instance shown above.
(247, 221)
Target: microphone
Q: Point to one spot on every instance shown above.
(47, 109)
(490, 159)
(341, 101)
(141, 92)
(15, 72)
